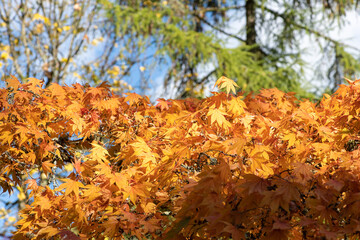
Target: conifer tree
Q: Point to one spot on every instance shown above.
(266, 40)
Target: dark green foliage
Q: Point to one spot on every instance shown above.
(265, 49)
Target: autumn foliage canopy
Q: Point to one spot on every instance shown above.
(267, 166)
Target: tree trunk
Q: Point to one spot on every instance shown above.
(250, 8)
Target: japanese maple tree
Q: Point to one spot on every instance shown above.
(267, 166)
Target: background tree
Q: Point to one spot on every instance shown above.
(183, 44)
(266, 36)
(56, 41)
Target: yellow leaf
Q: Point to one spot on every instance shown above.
(142, 68)
(39, 28)
(119, 180)
(291, 137)
(114, 71)
(57, 152)
(95, 42)
(21, 196)
(66, 28)
(236, 106)
(33, 171)
(224, 82)
(75, 74)
(40, 17)
(49, 231)
(150, 208)
(91, 192)
(99, 152)
(77, 7)
(69, 167)
(218, 116)
(5, 56)
(71, 186)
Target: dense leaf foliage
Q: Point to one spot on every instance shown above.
(265, 166)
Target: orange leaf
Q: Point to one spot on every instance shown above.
(110, 226)
(91, 192)
(12, 82)
(77, 165)
(48, 231)
(43, 203)
(163, 104)
(133, 98)
(32, 184)
(71, 186)
(46, 166)
(150, 208)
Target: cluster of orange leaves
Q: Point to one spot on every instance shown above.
(262, 167)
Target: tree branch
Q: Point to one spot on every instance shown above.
(217, 28)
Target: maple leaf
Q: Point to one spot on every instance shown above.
(235, 146)
(134, 191)
(151, 225)
(291, 137)
(57, 90)
(255, 184)
(280, 225)
(111, 226)
(303, 172)
(98, 152)
(91, 192)
(35, 82)
(133, 98)
(31, 184)
(46, 166)
(71, 186)
(77, 165)
(218, 116)
(163, 104)
(236, 106)
(12, 82)
(49, 231)
(43, 203)
(93, 93)
(150, 208)
(224, 82)
(352, 82)
(119, 179)
(23, 131)
(104, 84)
